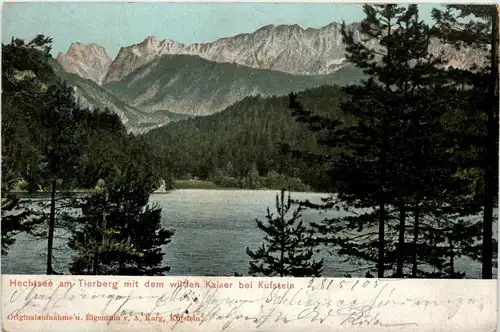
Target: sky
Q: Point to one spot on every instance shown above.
(113, 25)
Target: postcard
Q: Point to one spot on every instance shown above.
(249, 166)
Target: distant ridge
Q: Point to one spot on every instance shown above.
(195, 86)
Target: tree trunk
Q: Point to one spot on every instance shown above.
(401, 241)
(382, 178)
(282, 267)
(452, 257)
(415, 241)
(381, 225)
(95, 268)
(382, 212)
(282, 244)
(97, 252)
(52, 223)
(491, 157)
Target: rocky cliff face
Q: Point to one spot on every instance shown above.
(88, 61)
(286, 48)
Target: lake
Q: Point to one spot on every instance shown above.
(213, 229)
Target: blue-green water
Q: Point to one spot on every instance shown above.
(213, 229)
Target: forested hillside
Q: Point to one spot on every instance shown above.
(245, 141)
(44, 128)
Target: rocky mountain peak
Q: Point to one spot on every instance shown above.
(150, 38)
(89, 61)
(148, 42)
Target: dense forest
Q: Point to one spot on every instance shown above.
(242, 146)
(410, 153)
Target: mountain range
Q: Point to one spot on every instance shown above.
(204, 78)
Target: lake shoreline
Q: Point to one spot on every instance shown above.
(166, 191)
(176, 185)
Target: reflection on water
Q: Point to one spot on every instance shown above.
(213, 229)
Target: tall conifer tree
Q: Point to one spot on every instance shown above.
(61, 147)
(289, 247)
(120, 233)
(477, 26)
(396, 161)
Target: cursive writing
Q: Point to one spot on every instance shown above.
(336, 302)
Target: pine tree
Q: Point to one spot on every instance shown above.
(395, 160)
(455, 26)
(42, 110)
(14, 217)
(421, 154)
(120, 233)
(288, 247)
(60, 146)
(363, 172)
